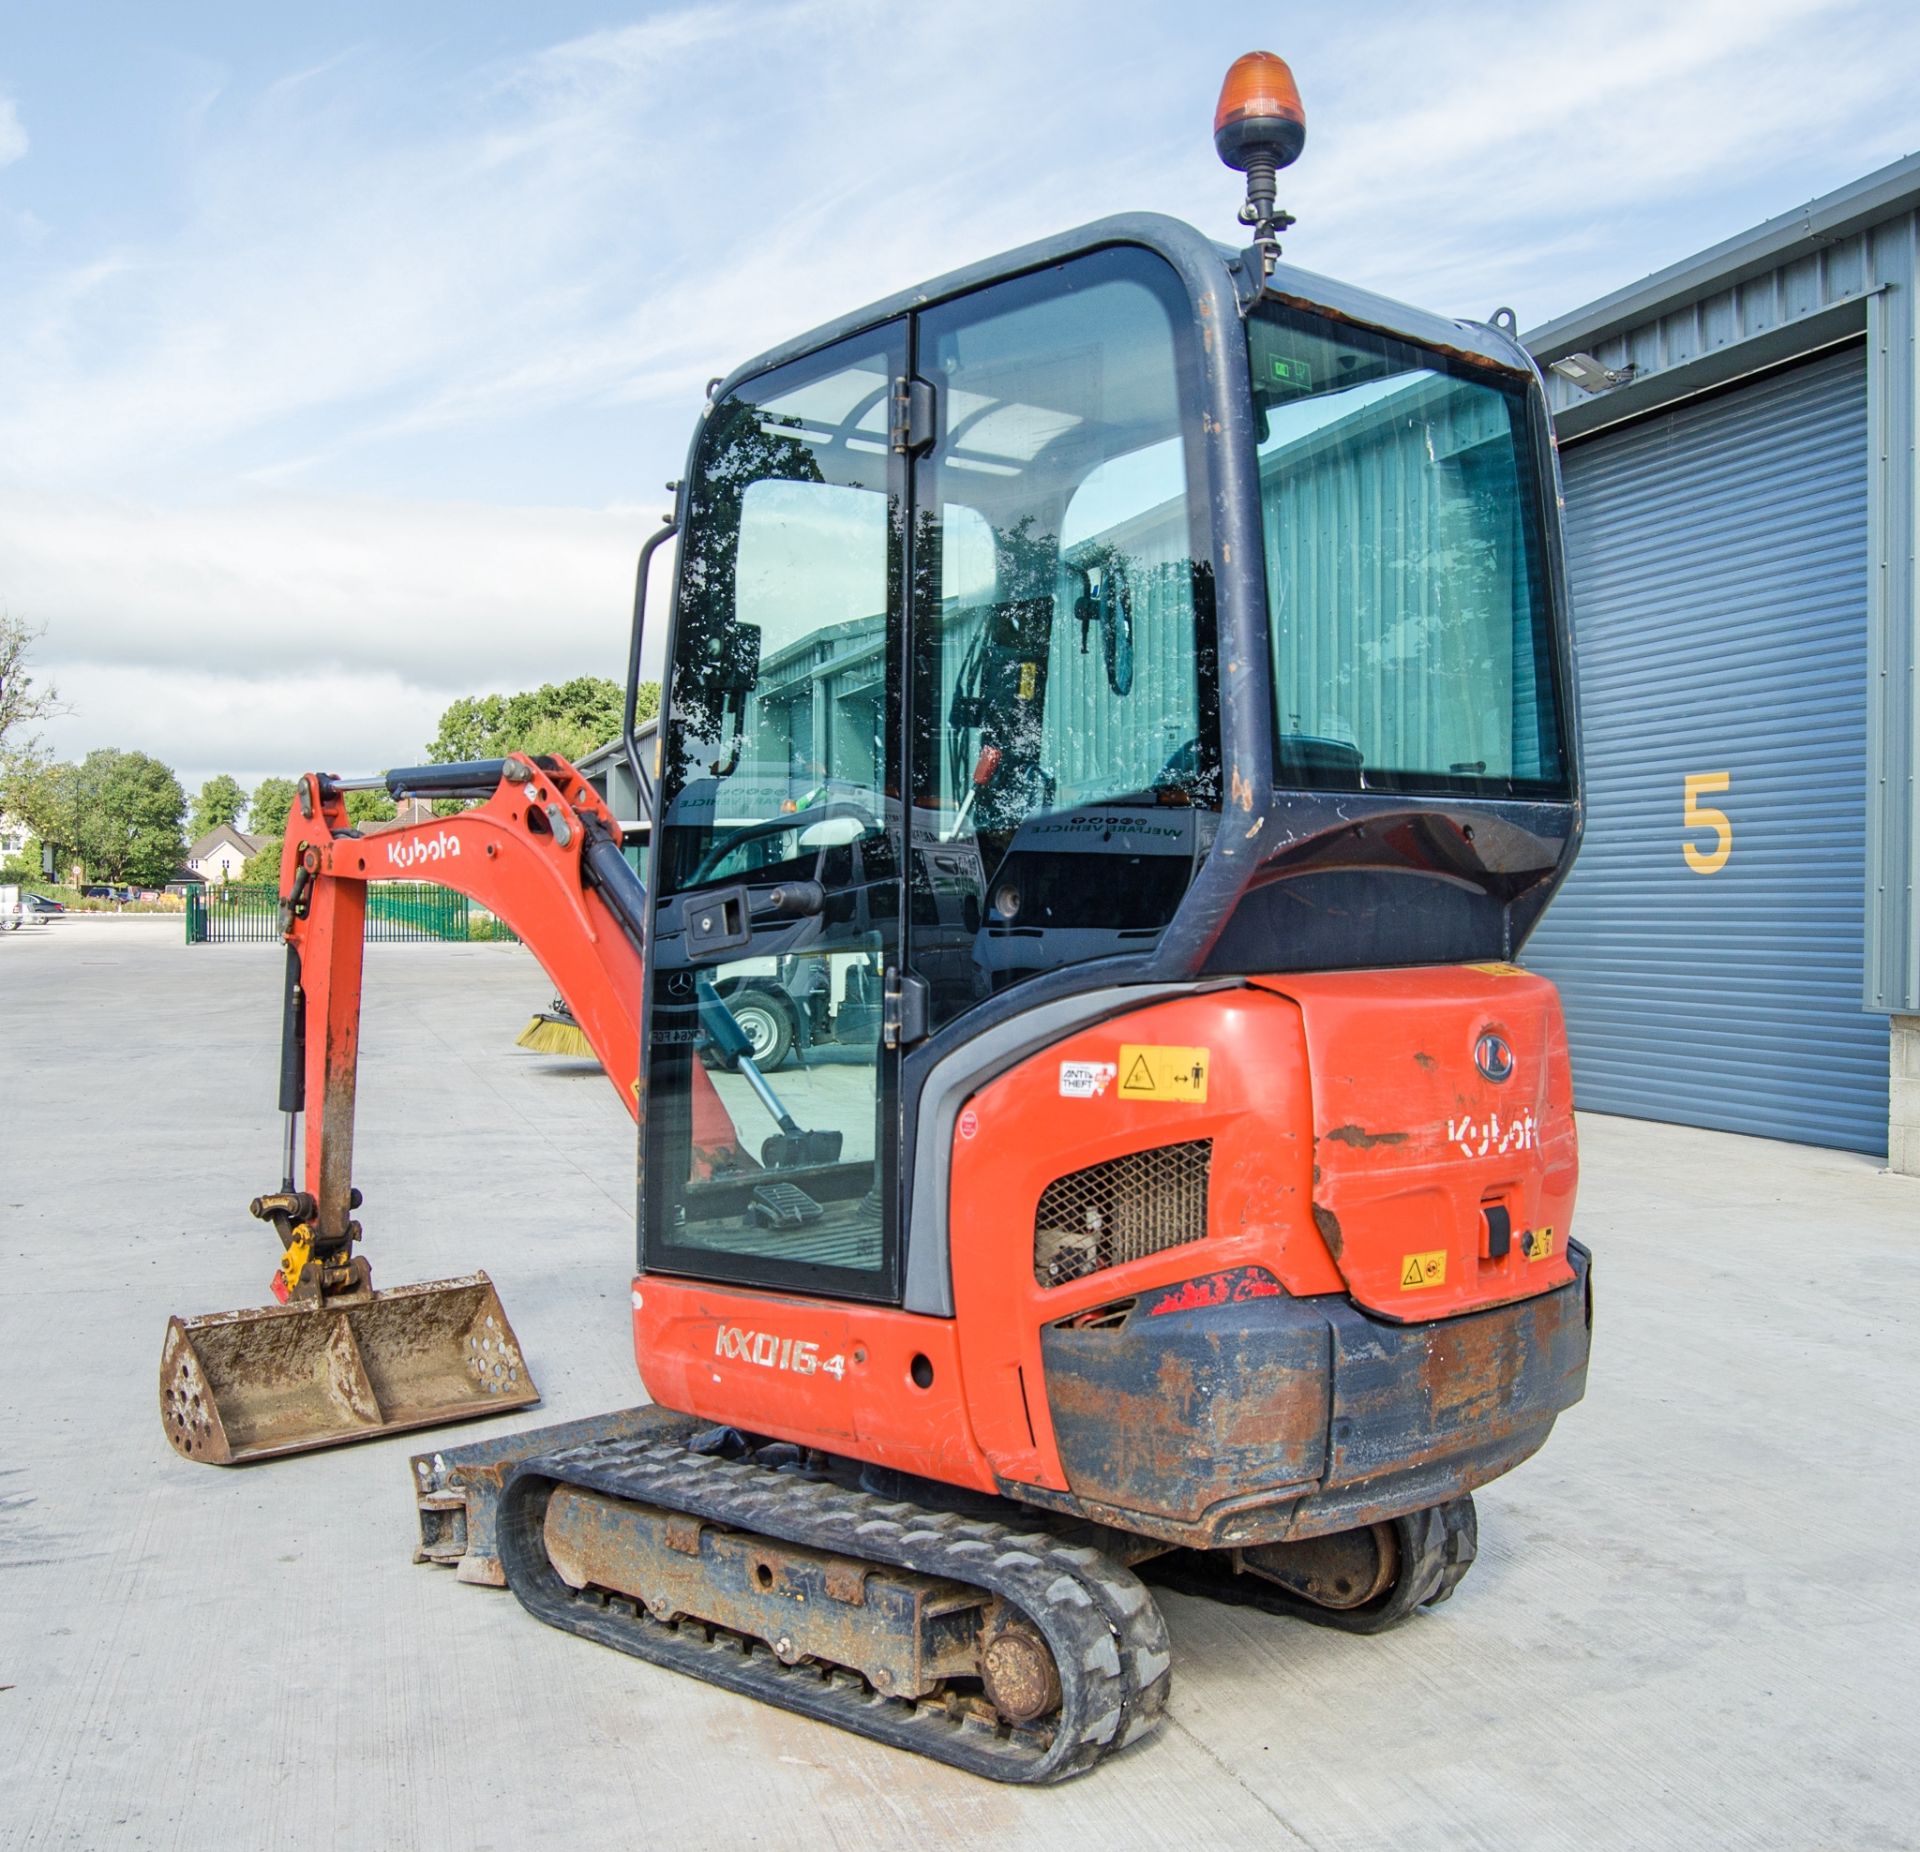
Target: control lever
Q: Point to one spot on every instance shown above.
(984, 768)
(792, 1147)
(791, 900)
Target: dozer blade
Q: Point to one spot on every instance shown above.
(243, 1386)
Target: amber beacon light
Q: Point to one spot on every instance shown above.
(1259, 128)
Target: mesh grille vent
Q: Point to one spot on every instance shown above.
(1115, 1212)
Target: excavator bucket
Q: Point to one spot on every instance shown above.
(242, 1386)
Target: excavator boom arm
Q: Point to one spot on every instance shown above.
(541, 851)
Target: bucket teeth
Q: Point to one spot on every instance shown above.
(251, 1385)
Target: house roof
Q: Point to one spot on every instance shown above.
(223, 835)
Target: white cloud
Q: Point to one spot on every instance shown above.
(291, 632)
(614, 219)
(231, 445)
(206, 721)
(441, 592)
(13, 134)
(588, 223)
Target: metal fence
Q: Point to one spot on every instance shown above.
(396, 911)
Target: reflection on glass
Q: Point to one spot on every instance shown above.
(1405, 567)
(797, 1183)
(781, 662)
(764, 1084)
(1064, 750)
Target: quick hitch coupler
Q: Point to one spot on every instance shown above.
(311, 1267)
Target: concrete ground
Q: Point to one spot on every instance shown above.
(1692, 1622)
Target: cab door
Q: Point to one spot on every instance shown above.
(767, 1152)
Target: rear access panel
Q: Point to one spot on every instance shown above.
(1444, 1153)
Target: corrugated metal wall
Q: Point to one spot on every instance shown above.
(1100, 744)
(1366, 649)
(1718, 558)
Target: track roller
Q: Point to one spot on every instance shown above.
(1003, 1652)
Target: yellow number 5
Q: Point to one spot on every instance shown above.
(1704, 817)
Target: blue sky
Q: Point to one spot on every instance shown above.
(344, 350)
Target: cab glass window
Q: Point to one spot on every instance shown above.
(1064, 763)
(1406, 566)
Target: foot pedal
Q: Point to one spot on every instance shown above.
(800, 1150)
(783, 1205)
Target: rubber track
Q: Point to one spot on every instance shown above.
(1437, 1548)
(1108, 1640)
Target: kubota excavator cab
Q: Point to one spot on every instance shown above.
(1153, 667)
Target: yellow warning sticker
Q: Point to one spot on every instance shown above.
(1539, 1245)
(1154, 1073)
(1499, 970)
(1029, 680)
(1423, 1270)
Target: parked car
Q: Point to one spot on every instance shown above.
(101, 891)
(12, 914)
(42, 903)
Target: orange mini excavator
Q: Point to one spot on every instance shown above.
(1118, 731)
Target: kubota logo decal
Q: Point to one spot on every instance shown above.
(415, 850)
(1479, 1137)
(773, 1352)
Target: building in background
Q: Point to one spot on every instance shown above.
(606, 769)
(1739, 943)
(218, 856)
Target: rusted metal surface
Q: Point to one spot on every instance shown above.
(905, 1634)
(1168, 1414)
(1360, 1139)
(1345, 1570)
(252, 1385)
(1359, 1581)
(1106, 1640)
(1328, 1224)
(1472, 356)
(1017, 1671)
(1276, 1418)
(457, 1489)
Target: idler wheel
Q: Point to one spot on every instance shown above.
(1022, 1683)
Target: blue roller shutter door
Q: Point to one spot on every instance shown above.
(1718, 558)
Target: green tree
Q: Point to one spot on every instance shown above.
(571, 718)
(269, 806)
(465, 729)
(44, 793)
(220, 800)
(130, 812)
(263, 869)
(22, 702)
(369, 807)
